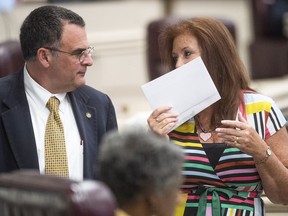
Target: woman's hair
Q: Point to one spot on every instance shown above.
(220, 55)
(135, 163)
(43, 27)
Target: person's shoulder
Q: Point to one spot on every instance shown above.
(4, 81)
(253, 97)
(8, 82)
(9, 78)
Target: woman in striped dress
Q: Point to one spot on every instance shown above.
(235, 148)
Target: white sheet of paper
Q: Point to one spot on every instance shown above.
(188, 89)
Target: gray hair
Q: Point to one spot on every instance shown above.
(135, 162)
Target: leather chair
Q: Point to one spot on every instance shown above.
(11, 58)
(28, 193)
(269, 49)
(155, 66)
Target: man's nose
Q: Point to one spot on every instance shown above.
(88, 60)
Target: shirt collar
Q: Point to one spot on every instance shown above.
(37, 93)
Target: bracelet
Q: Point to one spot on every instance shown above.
(268, 154)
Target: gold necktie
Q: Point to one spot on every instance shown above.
(55, 150)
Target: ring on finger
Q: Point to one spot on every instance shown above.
(236, 140)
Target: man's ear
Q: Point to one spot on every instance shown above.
(44, 57)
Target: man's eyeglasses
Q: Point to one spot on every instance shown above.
(81, 55)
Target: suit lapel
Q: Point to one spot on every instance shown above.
(86, 119)
(18, 126)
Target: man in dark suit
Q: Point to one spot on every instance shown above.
(56, 51)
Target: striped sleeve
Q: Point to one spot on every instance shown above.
(275, 121)
(263, 114)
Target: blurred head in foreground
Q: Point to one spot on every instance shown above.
(143, 170)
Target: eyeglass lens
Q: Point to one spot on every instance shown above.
(85, 53)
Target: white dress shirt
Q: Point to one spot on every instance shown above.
(37, 98)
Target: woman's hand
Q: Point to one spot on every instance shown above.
(243, 136)
(162, 120)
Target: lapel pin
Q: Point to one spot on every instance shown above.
(88, 115)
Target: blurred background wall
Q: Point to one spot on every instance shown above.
(118, 29)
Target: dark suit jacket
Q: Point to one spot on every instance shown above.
(17, 141)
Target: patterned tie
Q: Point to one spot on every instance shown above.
(55, 150)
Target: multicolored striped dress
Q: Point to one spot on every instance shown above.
(230, 185)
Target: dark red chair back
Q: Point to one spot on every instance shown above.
(11, 58)
(29, 193)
